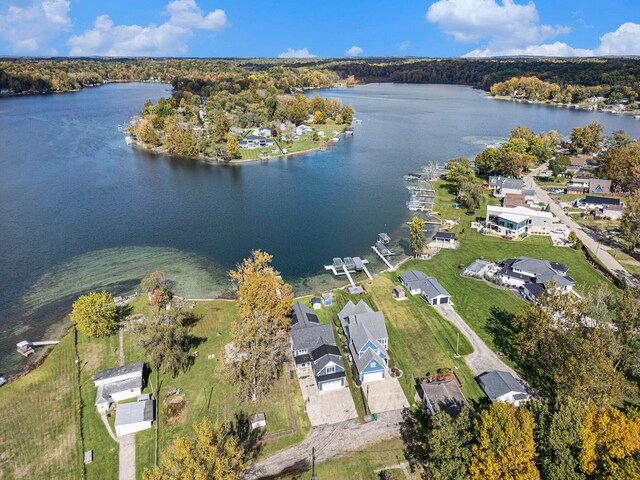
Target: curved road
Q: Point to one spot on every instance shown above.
(584, 235)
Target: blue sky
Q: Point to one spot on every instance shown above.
(221, 28)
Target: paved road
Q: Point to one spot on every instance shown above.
(483, 359)
(128, 457)
(588, 238)
(330, 441)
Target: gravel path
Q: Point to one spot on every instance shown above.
(483, 359)
(331, 442)
(585, 235)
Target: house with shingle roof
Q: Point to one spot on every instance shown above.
(532, 276)
(501, 386)
(118, 383)
(314, 349)
(367, 338)
(428, 287)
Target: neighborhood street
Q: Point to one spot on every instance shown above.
(585, 236)
(483, 359)
(331, 442)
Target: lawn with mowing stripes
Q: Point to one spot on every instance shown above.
(39, 423)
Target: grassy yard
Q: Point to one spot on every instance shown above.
(209, 394)
(362, 465)
(39, 425)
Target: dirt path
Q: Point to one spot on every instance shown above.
(103, 415)
(483, 359)
(583, 234)
(331, 442)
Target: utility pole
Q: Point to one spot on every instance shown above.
(457, 344)
(313, 464)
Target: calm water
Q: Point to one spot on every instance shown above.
(80, 210)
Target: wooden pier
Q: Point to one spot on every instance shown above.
(391, 267)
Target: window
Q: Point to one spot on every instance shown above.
(301, 352)
(373, 365)
(330, 370)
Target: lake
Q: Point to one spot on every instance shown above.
(80, 210)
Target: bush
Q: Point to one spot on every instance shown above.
(343, 339)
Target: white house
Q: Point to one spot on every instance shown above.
(514, 222)
(501, 386)
(133, 417)
(262, 132)
(119, 383)
(614, 212)
(524, 272)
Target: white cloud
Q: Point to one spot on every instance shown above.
(623, 41)
(169, 38)
(406, 45)
(30, 29)
(300, 53)
(501, 23)
(354, 51)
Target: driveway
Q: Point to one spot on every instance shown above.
(585, 236)
(385, 395)
(128, 457)
(327, 408)
(331, 442)
(483, 359)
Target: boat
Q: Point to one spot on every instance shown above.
(24, 348)
(3, 381)
(636, 117)
(128, 140)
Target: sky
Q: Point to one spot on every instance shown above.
(298, 29)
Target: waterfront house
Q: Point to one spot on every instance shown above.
(591, 202)
(262, 132)
(501, 386)
(417, 283)
(367, 338)
(314, 349)
(255, 141)
(503, 186)
(523, 271)
(444, 240)
(133, 417)
(119, 383)
(516, 222)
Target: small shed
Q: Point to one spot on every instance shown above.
(316, 303)
(399, 293)
(356, 290)
(327, 299)
(259, 420)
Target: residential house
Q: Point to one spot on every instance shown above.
(119, 383)
(514, 200)
(367, 338)
(428, 287)
(302, 130)
(515, 222)
(262, 132)
(255, 141)
(501, 386)
(524, 271)
(443, 396)
(613, 212)
(445, 240)
(503, 186)
(133, 417)
(580, 161)
(314, 349)
(598, 185)
(591, 202)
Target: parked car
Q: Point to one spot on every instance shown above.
(559, 231)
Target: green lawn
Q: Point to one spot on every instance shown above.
(361, 465)
(39, 427)
(209, 394)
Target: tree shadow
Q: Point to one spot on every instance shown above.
(413, 428)
(250, 439)
(296, 471)
(126, 310)
(501, 328)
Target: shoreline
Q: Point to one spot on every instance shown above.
(572, 106)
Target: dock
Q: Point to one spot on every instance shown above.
(347, 266)
(25, 348)
(384, 259)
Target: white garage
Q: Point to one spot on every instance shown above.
(332, 385)
(372, 377)
(133, 417)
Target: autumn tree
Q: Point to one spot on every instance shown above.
(154, 280)
(557, 434)
(165, 341)
(504, 445)
(611, 444)
(470, 194)
(488, 161)
(447, 443)
(347, 114)
(214, 452)
(621, 164)
(559, 164)
(146, 133)
(221, 128)
(586, 139)
(233, 146)
(260, 335)
(318, 104)
(299, 110)
(416, 232)
(459, 172)
(95, 314)
(319, 117)
(568, 355)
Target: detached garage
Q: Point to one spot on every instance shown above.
(434, 293)
(133, 417)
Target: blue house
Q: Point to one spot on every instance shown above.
(314, 350)
(367, 338)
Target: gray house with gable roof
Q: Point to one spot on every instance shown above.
(314, 349)
(501, 386)
(419, 284)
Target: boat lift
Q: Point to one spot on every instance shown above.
(347, 266)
